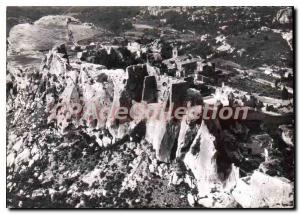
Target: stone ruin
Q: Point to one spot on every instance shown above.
(86, 83)
(206, 148)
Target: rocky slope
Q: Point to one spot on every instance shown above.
(61, 153)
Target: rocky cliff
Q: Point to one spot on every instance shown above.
(66, 147)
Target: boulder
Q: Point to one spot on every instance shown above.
(218, 200)
(260, 190)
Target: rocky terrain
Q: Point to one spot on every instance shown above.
(62, 154)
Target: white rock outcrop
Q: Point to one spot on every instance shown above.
(201, 159)
(260, 190)
(46, 33)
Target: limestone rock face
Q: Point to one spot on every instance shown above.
(261, 190)
(46, 33)
(187, 134)
(163, 136)
(201, 159)
(76, 94)
(88, 94)
(64, 137)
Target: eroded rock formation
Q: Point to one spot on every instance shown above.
(82, 97)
